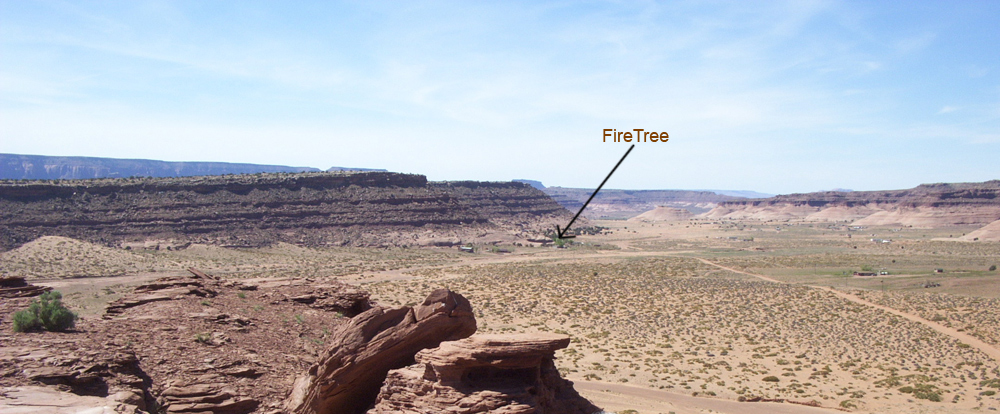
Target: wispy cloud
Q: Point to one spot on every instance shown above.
(499, 86)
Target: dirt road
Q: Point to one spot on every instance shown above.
(963, 337)
(620, 397)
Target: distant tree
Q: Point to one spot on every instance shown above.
(993, 268)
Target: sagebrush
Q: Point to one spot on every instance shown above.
(47, 312)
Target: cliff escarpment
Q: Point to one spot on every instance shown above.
(927, 205)
(618, 204)
(313, 209)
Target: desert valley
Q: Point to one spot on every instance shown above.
(322, 292)
(541, 207)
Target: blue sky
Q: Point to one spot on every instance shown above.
(770, 96)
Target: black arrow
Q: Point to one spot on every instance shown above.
(560, 232)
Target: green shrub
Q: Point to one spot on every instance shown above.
(47, 312)
(771, 378)
(932, 396)
(25, 321)
(923, 392)
(993, 268)
(203, 338)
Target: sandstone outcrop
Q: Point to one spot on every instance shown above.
(167, 288)
(181, 344)
(17, 287)
(349, 302)
(116, 378)
(201, 344)
(484, 373)
(360, 354)
(312, 209)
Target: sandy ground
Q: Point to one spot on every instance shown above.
(965, 338)
(664, 310)
(618, 397)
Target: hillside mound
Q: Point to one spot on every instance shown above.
(61, 257)
(840, 213)
(989, 232)
(663, 213)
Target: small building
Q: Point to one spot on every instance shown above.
(938, 270)
(466, 249)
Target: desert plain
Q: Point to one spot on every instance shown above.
(678, 316)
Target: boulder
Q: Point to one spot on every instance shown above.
(348, 376)
(210, 396)
(337, 298)
(513, 374)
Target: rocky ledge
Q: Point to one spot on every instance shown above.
(178, 345)
(484, 373)
(17, 287)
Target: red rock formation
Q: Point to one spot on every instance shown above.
(484, 373)
(16, 287)
(361, 353)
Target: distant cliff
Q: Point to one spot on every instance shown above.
(618, 204)
(40, 167)
(314, 209)
(927, 205)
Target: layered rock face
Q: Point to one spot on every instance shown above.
(484, 373)
(313, 209)
(347, 378)
(927, 205)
